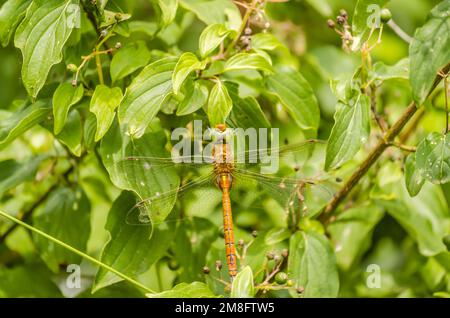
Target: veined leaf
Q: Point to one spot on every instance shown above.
(129, 59)
(242, 286)
(248, 61)
(423, 217)
(103, 104)
(168, 10)
(187, 64)
(429, 51)
(195, 98)
(383, 72)
(11, 13)
(211, 37)
(215, 11)
(184, 290)
(65, 216)
(13, 173)
(41, 37)
(265, 41)
(297, 96)
(246, 112)
(219, 104)
(413, 178)
(146, 94)
(312, 265)
(130, 249)
(65, 96)
(117, 145)
(72, 133)
(21, 121)
(352, 233)
(350, 131)
(433, 158)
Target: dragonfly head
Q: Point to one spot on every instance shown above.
(221, 127)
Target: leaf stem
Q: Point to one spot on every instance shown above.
(74, 250)
(401, 34)
(326, 217)
(244, 24)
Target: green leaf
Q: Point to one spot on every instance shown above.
(41, 37)
(413, 179)
(21, 121)
(192, 257)
(11, 13)
(247, 61)
(130, 249)
(433, 158)
(128, 59)
(246, 112)
(423, 216)
(146, 27)
(350, 131)
(184, 290)
(13, 173)
(383, 72)
(16, 282)
(321, 6)
(265, 41)
(297, 96)
(65, 216)
(116, 146)
(195, 98)
(219, 104)
(242, 286)
(145, 96)
(211, 37)
(352, 232)
(112, 17)
(65, 96)
(89, 130)
(103, 104)
(215, 11)
(187, 64)
(365, 17)
(169, 10)
(312, 265)
(72, 134)
(429, 51)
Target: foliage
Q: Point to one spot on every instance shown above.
(105, 81)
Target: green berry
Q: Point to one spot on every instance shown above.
(173, 264)
(385, 15)
(72, 68)
(281, 278)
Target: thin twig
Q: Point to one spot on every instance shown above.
(374, 155)
(245, 20)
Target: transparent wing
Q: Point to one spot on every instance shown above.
(157, 163)
(141, 213)
(305, 147)
(308, 195)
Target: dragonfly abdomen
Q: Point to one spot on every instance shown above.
(228, 228)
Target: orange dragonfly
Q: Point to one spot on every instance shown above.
(294, 193)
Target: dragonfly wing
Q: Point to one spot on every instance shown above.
(291, 193)
(146, 211)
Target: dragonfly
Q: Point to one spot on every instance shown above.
(221, 170)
